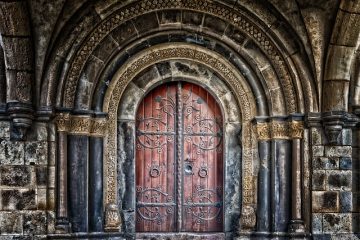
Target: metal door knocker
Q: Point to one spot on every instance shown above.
(155, 171)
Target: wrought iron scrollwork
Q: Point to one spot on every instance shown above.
(149, 206)
(205, 205)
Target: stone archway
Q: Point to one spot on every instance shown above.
(198, 73)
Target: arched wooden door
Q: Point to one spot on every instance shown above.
(179, 161)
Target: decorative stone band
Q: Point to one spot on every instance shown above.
(296, 129)
(81, 125)
(279, 130)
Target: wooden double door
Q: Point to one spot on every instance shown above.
(179, 160)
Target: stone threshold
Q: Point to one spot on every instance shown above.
(180, 236)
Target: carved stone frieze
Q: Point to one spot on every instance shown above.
(213, 8)
(63, 122)
(80, 125)
(112, 218)
(263, 131)
(98, 127)
(279, 130)
(296, 129)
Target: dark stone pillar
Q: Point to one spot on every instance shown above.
(264, 194)
(78, 182)
(280, 176)
(62, 218)
(296, 132)
(96, 208)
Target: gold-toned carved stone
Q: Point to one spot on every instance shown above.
(98, 127)
(62, 121)
(263, 131)
(279, 130)
(213, 8)
(112, 218)
(165, 52)
(296, 129)
(80, 125)
(248, 217)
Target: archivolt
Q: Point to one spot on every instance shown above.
(280, 56)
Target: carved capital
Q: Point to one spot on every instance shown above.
(112, 218)
(248, 217)
(98, 127)
(296, 129)
(263, 131)
(62, 122)
(80, 125)
(279, 130)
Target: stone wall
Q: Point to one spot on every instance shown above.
(335, 200)
(27, 183)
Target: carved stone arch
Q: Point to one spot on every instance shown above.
(282, 57)
(166, 52)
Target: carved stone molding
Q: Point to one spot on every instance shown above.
(142, 7)
(296, 129)
(112, 218)
(263, 131)
(279, 130)
(80, 125)
(62, 122)
(98, 127)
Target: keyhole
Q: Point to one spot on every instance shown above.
(188, 169)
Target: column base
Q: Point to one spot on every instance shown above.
(62, 226)
(296, 226)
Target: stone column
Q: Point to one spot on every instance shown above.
(78, 146)
(280, 176)
(296, 127)
(264, 188)
(96, 206)
(62, 218)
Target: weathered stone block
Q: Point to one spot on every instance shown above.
(38, 132)
(41, 176)
(11, 223)
(4, 130)
(18, 199)
(193, 18)
(15, 176)
(346, 202)
(346, 137)
(11, 153)
(36, 153)
(215, 24)
(356, 222)
(317, 136)
(51, 199)
(345, 163)
(319, 180)
(51, 178)
(337, 222)
(339, 180)
(318, 151)
(325, 163)
(356, 201)
(325, 201)
(338, 151)
(317, 219)
(34, 223)
(170, 17)
(146, 22)
(51, 222)
(19, 54)
(41, 198)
